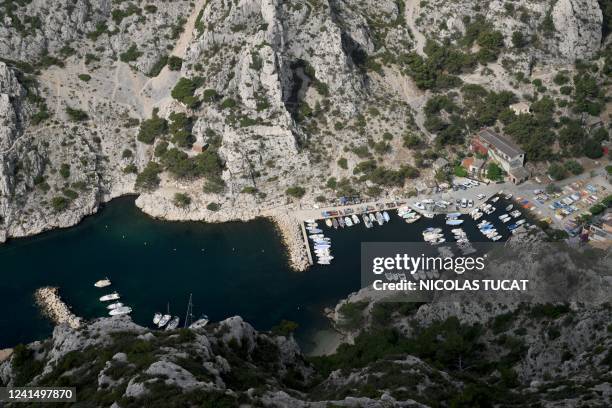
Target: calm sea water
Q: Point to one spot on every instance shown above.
(231, 269)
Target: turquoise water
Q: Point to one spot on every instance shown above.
(231, 269)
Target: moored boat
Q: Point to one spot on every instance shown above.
(379, 218)
(173, 323)
(341, 222)
(386, 216)
(123, 310)
(156, 318)
(348, 222)
(114, 305)
(102, 283)
(454, 221)
(355, 219)
(111, 296)
(165, 319)
(335, 223)
(328, 222)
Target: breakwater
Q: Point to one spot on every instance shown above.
(51, 304)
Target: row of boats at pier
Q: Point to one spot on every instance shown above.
(369, 219)
(115, 308)
(321, 243)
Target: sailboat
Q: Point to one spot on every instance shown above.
(189, 313)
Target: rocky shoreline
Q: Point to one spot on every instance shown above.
(51, 304)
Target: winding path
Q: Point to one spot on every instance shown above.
(158, 88)
(411, 14)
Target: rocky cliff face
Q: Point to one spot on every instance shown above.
(322, 98)
(561, 31)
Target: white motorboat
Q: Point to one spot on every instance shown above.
(366, 221)
(348, 222)
(494, 199)
(111, 296)
(412, 219)
(379, 218)
(201, 322)
(372, 218)
(386, 216)
(328, 222)
(173, 323)
(156, 318)
(419, 206)
(508, 196)
(355, 219)
(314, 230)
(312, 224)
(428, 215)
(454, 221)
(515, 213)
(520, 222)
(114, 305)
(102, 283)
(123, 310)
(165, 319)
(309, 220)
(508, 208)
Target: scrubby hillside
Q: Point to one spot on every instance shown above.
(548, 355)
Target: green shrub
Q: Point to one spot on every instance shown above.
(131, 54)
(574, 167)
(296, 191)
(148, 179)
(64, 170)
(180, 128)
(213, 207)
(284, 328)
(249, 190)
(460, 171)
(184, 91)
(175, 63)
(71, 194)
(181, 200)
(494, 172)
(152, 128)
(342, 163)
(130, 169)
(76, 115)
(593, 149)
(59, 203)
(228, 103)
(557, 171)
(84, 77)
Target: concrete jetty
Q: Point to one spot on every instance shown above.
(51, 304)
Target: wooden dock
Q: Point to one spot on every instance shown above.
(306, 243)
